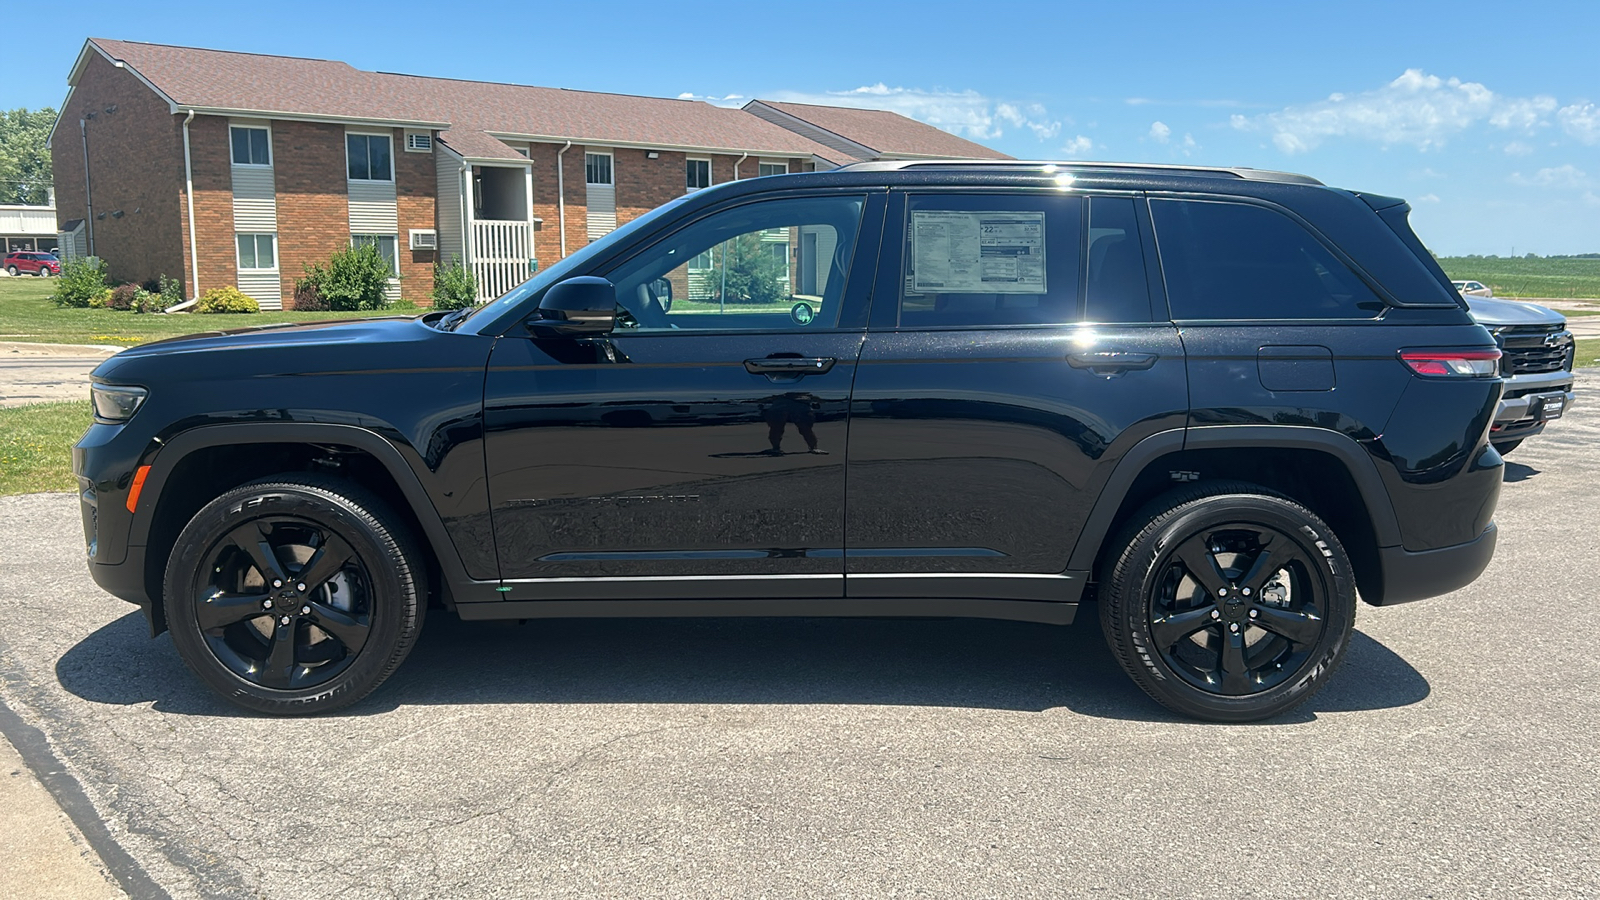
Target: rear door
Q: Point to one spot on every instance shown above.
(1014, 356)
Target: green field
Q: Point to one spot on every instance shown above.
(26, 314)
(1519, 277)
(36, 446)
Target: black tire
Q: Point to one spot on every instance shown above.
(326, 641)
(1504, 447)
(1236, 643)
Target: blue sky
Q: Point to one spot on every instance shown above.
(1485, 115)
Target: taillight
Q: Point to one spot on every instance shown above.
(1453, 363)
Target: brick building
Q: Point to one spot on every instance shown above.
(229, 168)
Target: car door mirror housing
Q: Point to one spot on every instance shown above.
(578, 307)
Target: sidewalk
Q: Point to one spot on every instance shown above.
(42, 854)
(42, 373)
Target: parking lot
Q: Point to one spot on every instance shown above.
(1452, 756)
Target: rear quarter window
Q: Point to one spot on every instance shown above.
(1237, 261)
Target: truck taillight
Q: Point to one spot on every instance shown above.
(1453, 363)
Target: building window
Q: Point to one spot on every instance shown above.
(419, 141)
(766, 168)
(597, 168)
(386, 244)
(251, 147)
(698, 175)
(257, 251)
(368, 157)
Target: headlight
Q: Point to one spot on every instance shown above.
(115, 402)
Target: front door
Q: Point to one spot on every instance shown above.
(1015, 355)
(699, 450)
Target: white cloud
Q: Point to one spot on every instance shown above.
(1567, 176)
(728, 100)
(1518, 148)
(967, 113)
(1415, 109)
(1077, 146)
(1428, 198)
(1582, 121)
(1159, 132)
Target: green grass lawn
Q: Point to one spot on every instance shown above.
(36, 446)
(26, 314)
(1588, 352)
(1511, 277)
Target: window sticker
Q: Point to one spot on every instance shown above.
(977, 252)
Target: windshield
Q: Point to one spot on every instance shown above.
(492, 310)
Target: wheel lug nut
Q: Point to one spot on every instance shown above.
(1234, 628)
(285, 621)
(301, 587)
(1245, 592)
(277, 583)
(1252, 614)
(306, 611)
(266, 604)
(1222, 592)
(1215, 614)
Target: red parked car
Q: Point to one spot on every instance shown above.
(33, 263)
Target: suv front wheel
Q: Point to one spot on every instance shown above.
(1229, 602)
(295, 595)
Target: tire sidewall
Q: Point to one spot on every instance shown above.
(1146, 564)
(393, 601)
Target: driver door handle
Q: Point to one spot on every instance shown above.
(790, 366)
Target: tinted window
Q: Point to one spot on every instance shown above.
(1118, 289)
(774, 264)
(991, 259)
(1232, 261)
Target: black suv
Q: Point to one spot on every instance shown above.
(1217, 401)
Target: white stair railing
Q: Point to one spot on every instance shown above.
(501, 252)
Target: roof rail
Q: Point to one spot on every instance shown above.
(1050, 166)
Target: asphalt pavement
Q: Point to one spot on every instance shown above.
(42, 373)
(1452, 756)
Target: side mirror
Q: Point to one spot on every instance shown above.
(578, 307)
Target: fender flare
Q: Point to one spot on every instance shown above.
(1355, 458)
(380, 448)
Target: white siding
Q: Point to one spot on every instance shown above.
(255, 202)
(373, 209)
(448, 169)
(263, 286)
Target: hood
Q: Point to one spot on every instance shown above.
(331, 331)
(1491, 312)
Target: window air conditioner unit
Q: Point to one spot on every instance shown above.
(419, 140)
(424, 239)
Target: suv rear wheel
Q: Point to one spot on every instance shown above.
(1229, 602)
(294, 595)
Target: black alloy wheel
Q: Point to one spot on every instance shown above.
(1229, 602)
(288, 605)
(294, 597)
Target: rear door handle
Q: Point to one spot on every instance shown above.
(1110, 362)
(789, 367)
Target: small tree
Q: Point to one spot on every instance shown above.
(308, 289)
(453, 286)
(745, 271)
(357, 279)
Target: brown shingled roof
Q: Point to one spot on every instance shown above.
(888, 133)
(472, 111)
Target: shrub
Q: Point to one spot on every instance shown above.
(308, 290)
(147, 301)
(100, 300)
(122, 296)
(356, 279)
(82, 280)
(226, 300)
(453, 286)
(171, 290)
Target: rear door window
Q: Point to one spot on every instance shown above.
(990, 259)
(1237, 261)
(1118, 290)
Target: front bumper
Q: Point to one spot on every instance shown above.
(1416, 575)
(1530, 402)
